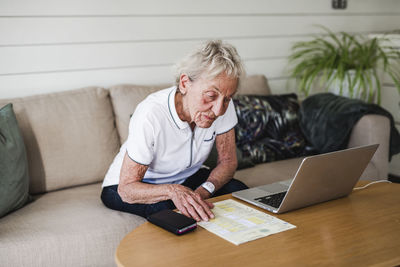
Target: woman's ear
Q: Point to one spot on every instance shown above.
(184, 81)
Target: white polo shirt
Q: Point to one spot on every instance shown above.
(159, 139)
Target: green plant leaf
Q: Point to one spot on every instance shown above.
(378, 86)
(329, 57)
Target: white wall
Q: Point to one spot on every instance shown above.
(56, 45)
(49, 45)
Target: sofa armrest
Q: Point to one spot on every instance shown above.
(373, 129)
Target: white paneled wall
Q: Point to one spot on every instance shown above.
(50, 45)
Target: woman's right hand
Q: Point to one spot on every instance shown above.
(190, 203)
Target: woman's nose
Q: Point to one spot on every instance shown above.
(218, 107)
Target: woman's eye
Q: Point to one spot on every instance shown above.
(211, 95)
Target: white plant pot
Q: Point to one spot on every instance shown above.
(342, 88)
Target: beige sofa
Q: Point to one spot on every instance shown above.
(71, 138)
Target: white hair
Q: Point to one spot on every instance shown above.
(212, 58)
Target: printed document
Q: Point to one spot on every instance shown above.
(239, 223)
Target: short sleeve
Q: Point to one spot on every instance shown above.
(227, 121)
(140, 142)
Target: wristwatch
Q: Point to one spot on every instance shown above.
(210, 187)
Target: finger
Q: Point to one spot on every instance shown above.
(193, 207)
(210, 212)
(207, 206)
(210, 204)
(200, 208)
(185, 200)
(184, 211)
(193, 213)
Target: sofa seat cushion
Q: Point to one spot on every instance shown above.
(70, 227)
(70, 137)
(270, 172)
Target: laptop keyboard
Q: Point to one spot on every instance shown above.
(272, 200)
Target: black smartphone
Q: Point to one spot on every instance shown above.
(172, 221)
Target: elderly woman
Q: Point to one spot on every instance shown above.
(171, 134)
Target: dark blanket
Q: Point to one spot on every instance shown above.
(326, 120)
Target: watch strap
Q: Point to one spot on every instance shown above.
(210, 187)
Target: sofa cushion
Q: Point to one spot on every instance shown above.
(14, 177)
(70, 137)
(266, 173)
(268, 127)
(254, 85)
(270, 116)
(69, 227)
(373, 129)
(125, 98)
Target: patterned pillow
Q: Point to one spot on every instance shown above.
(268, 127)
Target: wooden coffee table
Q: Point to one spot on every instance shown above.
(362, 229)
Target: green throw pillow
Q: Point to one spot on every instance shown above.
(14, 177)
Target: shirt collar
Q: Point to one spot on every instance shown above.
(172, 110)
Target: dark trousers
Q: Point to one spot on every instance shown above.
(112, 200)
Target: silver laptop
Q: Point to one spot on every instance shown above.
(319, 178)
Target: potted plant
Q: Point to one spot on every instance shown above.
(346, 64)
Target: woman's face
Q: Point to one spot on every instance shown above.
(205, 99)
